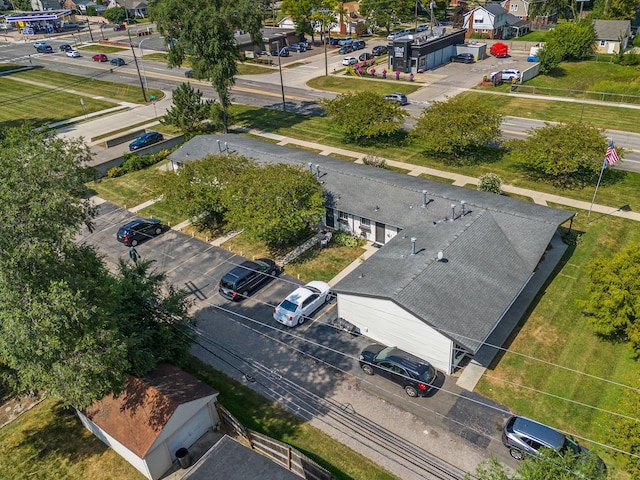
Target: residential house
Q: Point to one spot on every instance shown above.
(42, 5)
(489, 20)
(134, 8)
(153, 418)
(287, 23)
(612, 35)
(521, 9)
(451, 260)
(516, 27)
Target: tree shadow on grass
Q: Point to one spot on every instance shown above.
(484, 155)
(270, 119)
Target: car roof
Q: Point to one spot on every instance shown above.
(138, 221)
(543, 433)
(242, 269)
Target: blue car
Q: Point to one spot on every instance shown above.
(145, 139)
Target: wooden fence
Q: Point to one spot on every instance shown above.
(279, 452)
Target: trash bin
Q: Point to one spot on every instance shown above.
(183, 457)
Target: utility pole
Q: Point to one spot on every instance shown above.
(135, 59)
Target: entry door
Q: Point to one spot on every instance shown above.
(329, 218)
(380, 233)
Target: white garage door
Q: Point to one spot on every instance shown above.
(191, 431)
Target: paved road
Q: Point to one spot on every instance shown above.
(313, 369)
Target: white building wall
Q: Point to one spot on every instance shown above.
(387, 323)
(182, 415)
(137, 462)
(158, 461)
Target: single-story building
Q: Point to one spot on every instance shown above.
(153, 418)
(612, 35)
(451, 261)
(425, 50)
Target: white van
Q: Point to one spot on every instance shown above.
(345, 42)
(399, 34)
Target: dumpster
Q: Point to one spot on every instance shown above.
(499, 50)
(183, 457)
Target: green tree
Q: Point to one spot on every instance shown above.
(387, 13)
(626, 435)
(565, 154)
(196, 188)
(548, 466)
(456, 126)
(364, 116)
(115, 14)
(549, 57)
(302, 13)
(204, 32)
(188, 111)
(612, 305)
(490, 182)
(572, 40)
(275, 203)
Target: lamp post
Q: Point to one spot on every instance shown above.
(144, 73)
(135, 59)
(284, 105)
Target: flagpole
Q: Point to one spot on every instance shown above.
(604, 165)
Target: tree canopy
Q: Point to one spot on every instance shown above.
(548, 466)
(387, 13)
(364, 116)
(66, 325)
(572, 40)
(453, 127)
(613, 303)
(188, 111)
(566, 154)
(115, 14)
(204, 32)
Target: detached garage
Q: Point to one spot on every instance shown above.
(153, 418)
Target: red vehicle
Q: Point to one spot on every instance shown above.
(499, 50)
(100, 57)
(119, 28)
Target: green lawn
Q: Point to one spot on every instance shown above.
(343, 84)
(90, 85)
(50, 442)
(555, 331)
(40, 105)
(102, 48)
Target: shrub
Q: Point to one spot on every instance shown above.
(374, 161)
(135, 162)
(490, 182)
(115, 172)
(345, 239)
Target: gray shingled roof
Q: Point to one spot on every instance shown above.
(491, 252)
(611, 29)
(495, 8)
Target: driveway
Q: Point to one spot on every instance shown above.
(313, 369)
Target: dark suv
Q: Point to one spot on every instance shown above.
(413, 374)
(523, 436)
(138, 231)
(44, 49)
(246, 277)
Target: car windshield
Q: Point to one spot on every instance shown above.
(289, 306)
(384, 353)
(226, 284)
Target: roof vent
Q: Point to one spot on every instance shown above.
(462, 212)
(424, 199)
(311, 167)
(413, 245)
(453, 212)
(318, 170)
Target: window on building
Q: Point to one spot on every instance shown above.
(365, 221)
(344, 215)
(603, 43)
(513, 7)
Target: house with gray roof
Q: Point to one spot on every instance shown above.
(611, 35)
(489, 20)
(451, 260)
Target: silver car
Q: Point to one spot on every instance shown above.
(301, 303)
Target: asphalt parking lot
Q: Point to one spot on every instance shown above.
(314, 355)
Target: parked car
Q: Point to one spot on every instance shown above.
(359, 44)
(399, 34)
(463, 58)
(400, 98)
(298, 305)
(283, 52)
(507, 75)
(523, 436)
(246, 278)
(345, 42)
(44, 49)
(145, 140)
(365, 56)
(423, 27)
(334, 41)
(346, 49)
(73, 53)
(65, 47)
(136, 231)
(349, 60)
(305, 44)
(379, 50)
(413, 374)
(117, 61)
(119, 28)
(100, 57)
(188, 74)
(297, 47)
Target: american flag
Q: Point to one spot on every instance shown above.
(611, 156)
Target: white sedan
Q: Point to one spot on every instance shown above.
(298, 305)
(73, 53)
(349, 60)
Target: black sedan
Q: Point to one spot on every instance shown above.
(413, 374)
(463, 58)
(145, 140)
(138, 231)
(379, 50)
(118, 62)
